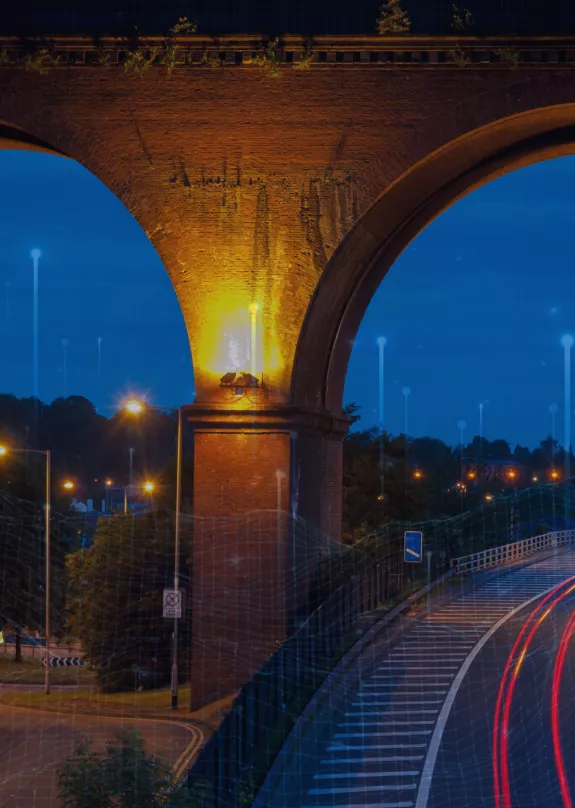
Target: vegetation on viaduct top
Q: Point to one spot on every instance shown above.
(221, 17)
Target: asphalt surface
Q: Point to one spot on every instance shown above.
(413, 725)
(464, 771)
(33, 744)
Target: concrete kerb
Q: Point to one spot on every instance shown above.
(334, 678)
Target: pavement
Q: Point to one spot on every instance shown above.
(33, 743)
(467, 707)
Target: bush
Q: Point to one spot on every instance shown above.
(122, 777)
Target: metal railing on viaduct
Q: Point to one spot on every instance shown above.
(232, 766)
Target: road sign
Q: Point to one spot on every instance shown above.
(64, 662)
(173, 603)
(413, 546)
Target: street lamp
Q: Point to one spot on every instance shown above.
(135, 407)
(417, 474)
(46, 454)
(68, 485)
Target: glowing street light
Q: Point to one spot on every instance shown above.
(69, 485)
(535, 478)
(108, 482)
(417, 474)
(136, 407)
(4, 451)
(554, 475)
(511, 474)
(471, 475)
(489, 497)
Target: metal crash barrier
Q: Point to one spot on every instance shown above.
(511, 552)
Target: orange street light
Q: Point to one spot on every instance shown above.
(149, 486)
(489, 497)
(108, 482)
(417, 475)
(471, 475)
(554, 475)
(535, 478)
(511, 474)
(3, 450)
(69, 485)
(134, 406)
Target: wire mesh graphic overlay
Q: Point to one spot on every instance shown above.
(235, 762)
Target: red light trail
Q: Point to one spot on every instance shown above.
(501, 782)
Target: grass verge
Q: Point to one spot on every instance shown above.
(147, 704)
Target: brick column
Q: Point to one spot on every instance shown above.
(249, 554)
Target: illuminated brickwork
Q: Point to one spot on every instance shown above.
(277, 205)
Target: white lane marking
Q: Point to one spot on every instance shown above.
(364, 805)
(365, 735)
(396, 676)
(371, 759)
(358, 790)
(430, 760)
(359, 713)
(357, 775)
(395, 703)
(349, 747)
(382, 720)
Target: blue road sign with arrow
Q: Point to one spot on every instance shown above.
(413, 546)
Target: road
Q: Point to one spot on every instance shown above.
(414, 726)
(33, 743)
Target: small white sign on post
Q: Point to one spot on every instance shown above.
(173, 603)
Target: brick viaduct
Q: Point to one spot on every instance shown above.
(277, 205)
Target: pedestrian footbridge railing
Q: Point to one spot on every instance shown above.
(511, 552)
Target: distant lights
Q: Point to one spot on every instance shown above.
(489, 497)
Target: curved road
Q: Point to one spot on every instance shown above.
(34, 743)
(469, 707)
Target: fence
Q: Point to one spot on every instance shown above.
(234, 763)
(511, 552)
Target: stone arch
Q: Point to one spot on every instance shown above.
(421, 193)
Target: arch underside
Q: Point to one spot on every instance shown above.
(13, 137)
(404, 209)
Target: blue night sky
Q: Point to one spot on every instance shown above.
(473, 310)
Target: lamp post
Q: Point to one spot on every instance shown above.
(381, 343)
(46, 454)
(136, 408)
(462, 426)
(553, 409)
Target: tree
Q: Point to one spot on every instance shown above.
(393, 19)
(122, 777)
(115, 600)
(352, 411)
(462, 21)
(22, 570)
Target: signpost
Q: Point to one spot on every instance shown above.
(173, 603)
(413, 546)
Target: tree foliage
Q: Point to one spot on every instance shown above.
(393, 19)
(124, 776)
(23, 572)
(115, 601)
